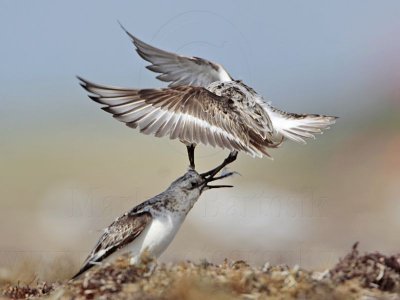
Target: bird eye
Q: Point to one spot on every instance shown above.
(193, 184)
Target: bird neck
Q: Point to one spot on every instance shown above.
(181, 202)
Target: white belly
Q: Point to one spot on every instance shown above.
(155, 238)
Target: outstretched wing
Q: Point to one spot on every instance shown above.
(177, 69)
(120, 233)
(191, 114)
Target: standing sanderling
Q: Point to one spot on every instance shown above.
(151, 226)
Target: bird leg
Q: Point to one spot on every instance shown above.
(190, 150)
(231, 158)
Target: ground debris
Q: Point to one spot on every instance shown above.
(373, 270)
(369, 276)
(27, 291)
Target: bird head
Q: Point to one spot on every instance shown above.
(193, 182)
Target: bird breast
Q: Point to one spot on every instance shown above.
(156, 237)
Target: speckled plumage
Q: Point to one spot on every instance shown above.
(151, 225)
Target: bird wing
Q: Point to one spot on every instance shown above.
(120, 233)
(178, 69)
(191, 114)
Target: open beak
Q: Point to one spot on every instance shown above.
(211, 177)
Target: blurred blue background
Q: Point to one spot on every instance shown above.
(67, 169)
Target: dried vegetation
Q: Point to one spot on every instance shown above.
(368, 276)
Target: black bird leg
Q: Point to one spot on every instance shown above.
(231, 158)
(190, 150)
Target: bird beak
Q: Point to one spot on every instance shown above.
(211, 177)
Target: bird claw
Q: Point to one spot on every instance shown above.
(225, 172)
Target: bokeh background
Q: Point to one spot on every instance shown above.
(67, 169)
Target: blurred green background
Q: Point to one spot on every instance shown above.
(67, 169)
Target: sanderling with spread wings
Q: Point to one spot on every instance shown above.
(152, 225)
(203, 105)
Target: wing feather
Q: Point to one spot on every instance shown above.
(120, 233)
(191, 114)
(178, 69)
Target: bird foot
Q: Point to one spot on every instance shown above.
(231, 158)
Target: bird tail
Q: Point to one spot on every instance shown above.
(298, 127)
